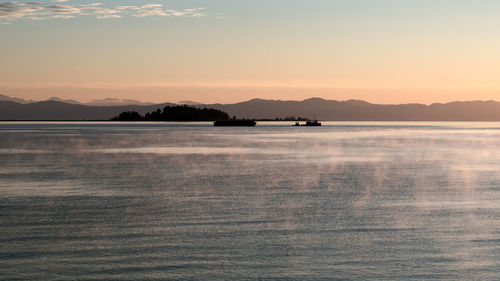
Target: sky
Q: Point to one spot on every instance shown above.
(224, 51)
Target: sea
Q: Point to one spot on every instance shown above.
(189, 201)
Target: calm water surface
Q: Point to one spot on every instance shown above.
(347, 201)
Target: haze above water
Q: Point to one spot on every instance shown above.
(360, 201)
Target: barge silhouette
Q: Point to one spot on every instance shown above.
(313, 123)
(235, 123)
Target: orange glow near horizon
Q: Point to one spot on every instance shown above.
(387, 52)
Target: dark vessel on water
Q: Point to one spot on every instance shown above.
(235, 123)
(313, 123)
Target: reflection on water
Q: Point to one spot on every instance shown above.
(363, 201)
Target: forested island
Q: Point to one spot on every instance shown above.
(175, 113)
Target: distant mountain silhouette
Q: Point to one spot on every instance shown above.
(101, 102)
(18, 100)
(351, 110)
(189, 102)
(358, 110)
(63, 100)
(116, 102)
(54, 110)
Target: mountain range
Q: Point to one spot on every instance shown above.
(327, 110)
(101, 102)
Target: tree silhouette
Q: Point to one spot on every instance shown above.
(128, 116)
(175, 113)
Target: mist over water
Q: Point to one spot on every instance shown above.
(357, 201)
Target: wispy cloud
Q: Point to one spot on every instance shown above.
(13, 11)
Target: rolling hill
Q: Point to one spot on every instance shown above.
(351, 110)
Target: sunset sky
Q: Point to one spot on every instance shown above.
(382, 51)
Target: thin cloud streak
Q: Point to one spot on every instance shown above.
(13, 11)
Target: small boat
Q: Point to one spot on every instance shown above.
(235, 123)
(313, 123)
